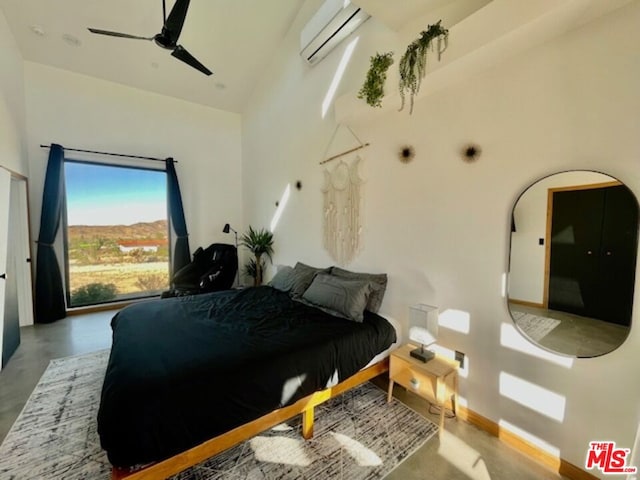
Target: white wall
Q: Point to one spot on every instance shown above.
(527, 258)
(78, 111)
(440, 227)
(12, 111)
(12, 135)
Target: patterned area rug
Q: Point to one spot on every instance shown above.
(356, 436)
(534, 326)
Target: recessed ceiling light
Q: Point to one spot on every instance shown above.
(38, 30)
(220, 86)
(71, 40)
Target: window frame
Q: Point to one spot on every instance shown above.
(65, 237)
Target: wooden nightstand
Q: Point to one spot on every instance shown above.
(436, 381)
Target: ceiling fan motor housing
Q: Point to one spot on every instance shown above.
(163, 40)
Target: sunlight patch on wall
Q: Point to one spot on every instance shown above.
(362, 455)
(635, 453)
(462, 456)
(538, 442)
(342, 66)
(281, 450)
(281, 206)
(504, 285)
(455, 320)
(512, 339)
(535, 397)
(451, 354)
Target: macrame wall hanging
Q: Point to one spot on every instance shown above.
(342, 205)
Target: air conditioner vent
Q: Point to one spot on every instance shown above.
(333, 22)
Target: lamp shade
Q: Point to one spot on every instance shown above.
(421, 335)
(226, 228)
(423, 324)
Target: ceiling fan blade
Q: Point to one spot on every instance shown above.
(118, 34)
(173, 26)
(181, 54)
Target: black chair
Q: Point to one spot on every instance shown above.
(212, 269)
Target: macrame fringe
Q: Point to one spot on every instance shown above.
(342, 204)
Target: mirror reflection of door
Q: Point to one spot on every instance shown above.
(593, 252)
(574, 244)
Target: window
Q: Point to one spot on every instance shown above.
(116, 235)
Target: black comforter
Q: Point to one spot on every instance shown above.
(183, 370)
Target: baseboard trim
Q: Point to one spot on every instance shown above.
(523, 446)
(97, 308)
(104, 307)
(526, 303)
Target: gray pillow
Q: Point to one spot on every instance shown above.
(283, 279)
(339, 296)
(378, 282)
(302, 278)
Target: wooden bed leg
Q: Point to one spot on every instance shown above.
(307, 423)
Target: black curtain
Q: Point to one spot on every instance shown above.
(181, 254)
(50, 298)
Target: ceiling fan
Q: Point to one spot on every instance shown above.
(168, 37)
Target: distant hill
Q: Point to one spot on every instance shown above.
(157, 229)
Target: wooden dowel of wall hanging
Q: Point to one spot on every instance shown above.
(343, 154)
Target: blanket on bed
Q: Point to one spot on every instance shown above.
(186, 369)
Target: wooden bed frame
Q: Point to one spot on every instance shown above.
(199, 453)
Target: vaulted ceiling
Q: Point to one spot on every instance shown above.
(235, 39)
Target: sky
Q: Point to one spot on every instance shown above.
(107, 195)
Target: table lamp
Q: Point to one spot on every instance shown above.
(226, 229)
(423, 329)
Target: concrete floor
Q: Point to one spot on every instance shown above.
(39, 344)
(462, 452)
(576, 335)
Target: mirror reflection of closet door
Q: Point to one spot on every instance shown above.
(618, 256)
(5, 196)
(592, 253)
(16, 300)
(11, 334)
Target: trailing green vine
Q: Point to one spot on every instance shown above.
(372, 90)
(414, 61)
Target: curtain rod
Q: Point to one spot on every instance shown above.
(111, 154)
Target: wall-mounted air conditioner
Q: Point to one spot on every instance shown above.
(331, 24)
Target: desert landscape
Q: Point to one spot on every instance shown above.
(117, 261)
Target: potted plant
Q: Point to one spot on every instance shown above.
(413, 64)
(258, 242)
(372, 90)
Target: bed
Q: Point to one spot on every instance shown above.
(188, 369)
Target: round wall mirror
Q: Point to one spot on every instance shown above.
(574, 243)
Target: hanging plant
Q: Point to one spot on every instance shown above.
(372, 90)
(413, 63)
